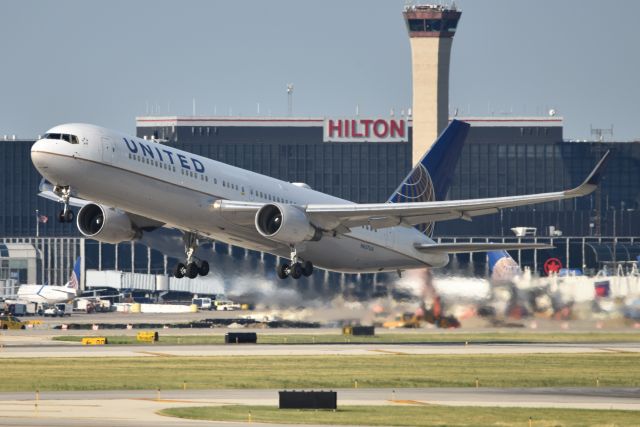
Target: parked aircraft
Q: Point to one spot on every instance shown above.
(129, 186)
(46, 294)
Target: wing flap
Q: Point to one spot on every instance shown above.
(454, 248)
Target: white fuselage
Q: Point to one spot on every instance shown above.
(179, 189)
(44, 294)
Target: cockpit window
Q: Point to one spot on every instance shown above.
(72, 139)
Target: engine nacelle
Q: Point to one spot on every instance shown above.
(105, 224)
(285, 224)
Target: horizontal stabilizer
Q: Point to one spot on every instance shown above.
(455, 248)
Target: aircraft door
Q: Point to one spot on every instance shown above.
(108, 149)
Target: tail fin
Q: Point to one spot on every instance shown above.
(74, 279)
(431, 177)
(503, 268)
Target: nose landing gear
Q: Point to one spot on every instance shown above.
(66, 214)
(296, 269)
(191, 268)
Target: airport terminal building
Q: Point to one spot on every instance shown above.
(503, 156)
(363, 160)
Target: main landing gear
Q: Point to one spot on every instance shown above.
(66, 214)
(296, 269)
(191, 268)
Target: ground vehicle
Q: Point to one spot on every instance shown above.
(202, 303)
(10, 322)
(222, 305)
(58, 310)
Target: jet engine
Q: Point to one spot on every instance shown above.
(285, 224)
(105, 224)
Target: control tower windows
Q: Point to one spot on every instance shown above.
(416, 24)
(433, 24)
(451, 25)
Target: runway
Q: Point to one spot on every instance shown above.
(67, 350)
(137, 408)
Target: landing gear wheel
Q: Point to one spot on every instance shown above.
(192, 270)
(204, 268)
(65, 216)
(307, 269)
(178, 271)
(282, 271)
(296, 270)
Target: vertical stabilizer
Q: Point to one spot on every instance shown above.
(503, 268)
(74, 279)
(431, 177)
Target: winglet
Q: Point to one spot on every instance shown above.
(593, 180)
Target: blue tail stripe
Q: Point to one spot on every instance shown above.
(495, 256)
(442, 158)
(431, 177)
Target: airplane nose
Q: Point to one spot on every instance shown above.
(38, 154)
(37, 146)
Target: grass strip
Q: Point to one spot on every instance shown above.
(389, 338)
(429, 415)
(328, 372)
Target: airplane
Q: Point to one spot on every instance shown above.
(46, 294)
(129, 186)
(503, 268)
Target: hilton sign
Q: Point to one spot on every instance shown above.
(365, 130)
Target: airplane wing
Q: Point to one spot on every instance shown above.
(46, 191)
(380, 215)
(339, 218)
(454, 248)
(140, 222)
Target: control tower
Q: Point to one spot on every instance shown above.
(431, 29)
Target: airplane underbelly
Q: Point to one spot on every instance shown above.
(177, 206)
(189, 209)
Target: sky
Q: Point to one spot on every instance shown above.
(107, 62)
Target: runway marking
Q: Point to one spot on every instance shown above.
(615, 350)
(46, 402)
(388, 351)
(150, 399)
(411, 402)
(155, 353)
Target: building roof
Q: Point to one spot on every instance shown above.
(262, 121)
(513, 121)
